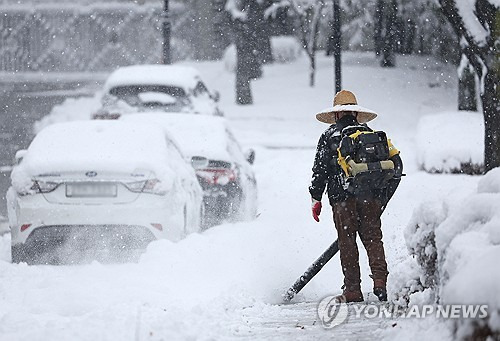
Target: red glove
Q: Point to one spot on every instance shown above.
(316, 209)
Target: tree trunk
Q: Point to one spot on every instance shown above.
(247, 65)
(337, 45)
(243, 90)
(467, 99)
(260, 28)
(491, 112)
(312, 69)
(313, 40)
(379, 23)
(309, 27)
(484, 59)
(388, 53)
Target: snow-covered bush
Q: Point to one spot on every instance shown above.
(285, 49)
(457, 245)
(404, 281)
(420, 238)
(451, 142)
(72, 109)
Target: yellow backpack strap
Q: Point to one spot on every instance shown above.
(392, 150)
(359, 132)
(342, 162)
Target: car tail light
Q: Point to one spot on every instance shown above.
(152, 186)
(217, 176)
(24, 227)
(43, 187)
(157, 226)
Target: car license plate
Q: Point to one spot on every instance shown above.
(91, 190)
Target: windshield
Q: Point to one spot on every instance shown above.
(167, 98)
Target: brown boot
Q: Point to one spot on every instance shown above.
(379, 289)
(350, 296)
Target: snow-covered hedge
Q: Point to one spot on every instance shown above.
(451, 142)
(72, 109)
(285, 49)
(457, 246)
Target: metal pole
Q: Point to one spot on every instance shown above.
(166, 52)
(337, 41)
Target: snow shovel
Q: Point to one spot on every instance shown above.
(313, 270)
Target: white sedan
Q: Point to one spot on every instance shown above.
(104, 185)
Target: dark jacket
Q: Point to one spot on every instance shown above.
(326, 170)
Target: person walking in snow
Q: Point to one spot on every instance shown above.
(360, 169)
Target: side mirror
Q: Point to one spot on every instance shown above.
(216, 96)
(250, 156)
(20, 155)
(199, 162)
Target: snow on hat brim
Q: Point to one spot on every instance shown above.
(328, 115)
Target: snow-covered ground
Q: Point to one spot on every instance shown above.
(215, 285)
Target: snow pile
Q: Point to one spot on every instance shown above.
(457, 245)
(420, 237)
(451, 142)
(285, 49)
(404, 284)
(72, 109)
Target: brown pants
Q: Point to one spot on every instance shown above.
(361, 215)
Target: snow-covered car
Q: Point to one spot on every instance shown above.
(98, 185)
(167, 88)
(224, 171)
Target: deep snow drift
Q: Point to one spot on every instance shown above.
(204, 286)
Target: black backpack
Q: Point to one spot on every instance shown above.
(363, 155)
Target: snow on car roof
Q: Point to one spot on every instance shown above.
(181, 76)
(196, 135)
(97, 145)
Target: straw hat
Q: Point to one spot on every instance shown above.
(345, 101)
